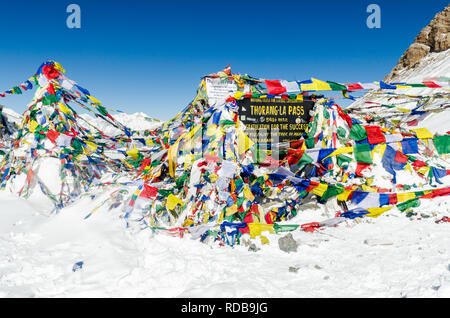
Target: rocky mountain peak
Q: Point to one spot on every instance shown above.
(435, 37)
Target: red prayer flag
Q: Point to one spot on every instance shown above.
(144, 164)
(431, 84)
(374, 135)
(52, 135)
(400, 157)
(414, 122)
(352, 86)
(274, 87)
(50, 72)
(51, 89)
(148, 192)
(360, 167)
(344, 116)
(392, 198)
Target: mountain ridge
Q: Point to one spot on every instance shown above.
(434, 38)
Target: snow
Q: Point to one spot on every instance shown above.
(388, 256)
(433, 66)
(137, 121)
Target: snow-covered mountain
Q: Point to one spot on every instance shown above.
(435, 67)
(138, 121)
(422, 57)
(427, 59)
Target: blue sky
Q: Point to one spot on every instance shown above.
(149, 56)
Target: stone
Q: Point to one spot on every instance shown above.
(287, 243)
(253, 248)
(293, 269)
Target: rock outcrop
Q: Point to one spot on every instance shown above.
(435, 37)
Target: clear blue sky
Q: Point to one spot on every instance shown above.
(149, 56)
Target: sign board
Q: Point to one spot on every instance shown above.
(273, 120)
(219, 89)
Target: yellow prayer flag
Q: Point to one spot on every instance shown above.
(367, 188)
(344, 195)
(424, 170)
(133, 153)
(213, 177)
(379, 149)
(173, 150)
(408, 167)
(33, 125)
(188, 160)
(95, 100)
(248, 193)
(187, 222)
(92, 146)
(64, 109)
(402, 197)
(126, 163)
(376, 212)
(316, 85)
(423, 133)
(231, 210)
(256, 229)
(244, 143)
(211, 130)
(339, 151)
(173, 201)
(403, 110)
(320, 189)
(238, 95)
(59, 67)
(402, 86)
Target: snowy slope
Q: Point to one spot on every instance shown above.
(433, 66)
(137, 121)
(387, 257)
(12, 115)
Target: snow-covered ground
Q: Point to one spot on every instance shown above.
(391, 256)
(388, 256)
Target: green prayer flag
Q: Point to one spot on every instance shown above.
(304, 160)
(17, 90)
(240, 201)
(49, 100)
(413, 203)
(337, 87)
(226, 122)
(343, 160)
(442, 144)
(362, 153)
(332, 191)
(341, 132)
(285, 227)
(357, 132)
(310, 142)
(164, 192)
